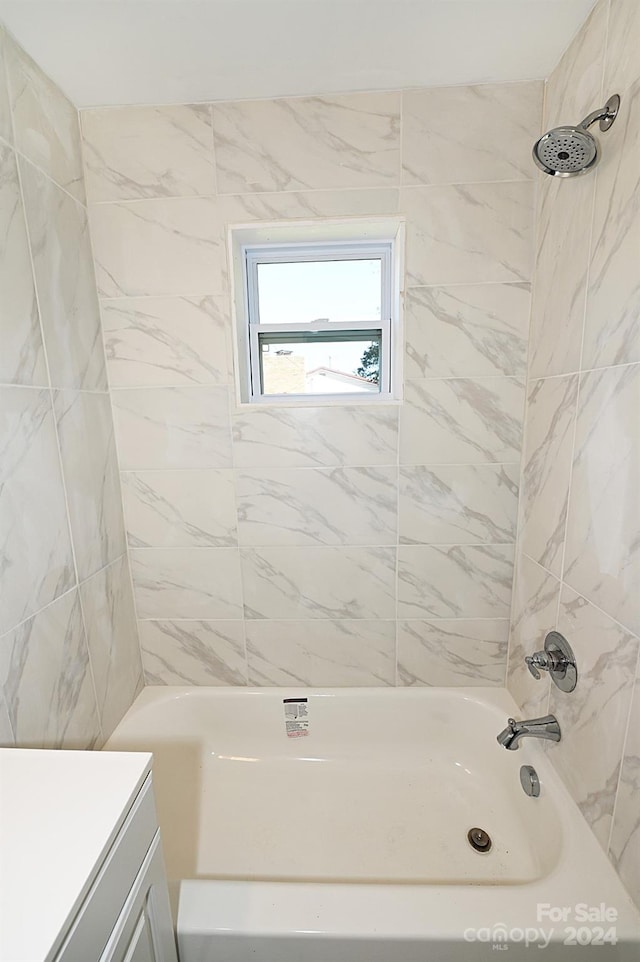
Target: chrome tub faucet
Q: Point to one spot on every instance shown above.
(546, 727)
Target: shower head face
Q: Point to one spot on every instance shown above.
(566, 152)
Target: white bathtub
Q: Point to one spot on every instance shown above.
(350, 842)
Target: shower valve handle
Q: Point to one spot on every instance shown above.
(538, 662)
(558, 659)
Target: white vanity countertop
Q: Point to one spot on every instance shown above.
(59, 814)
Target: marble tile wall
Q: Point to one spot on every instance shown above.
(578, 555)
(70, 661)
(319, 545)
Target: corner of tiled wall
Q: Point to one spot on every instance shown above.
(69, 653)
(578, 559)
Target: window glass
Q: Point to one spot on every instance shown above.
(322, 363)
(305, 291)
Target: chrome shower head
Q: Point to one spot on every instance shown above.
(570, 151)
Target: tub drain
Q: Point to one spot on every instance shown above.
(479, 839)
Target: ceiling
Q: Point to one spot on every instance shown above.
(104, 52)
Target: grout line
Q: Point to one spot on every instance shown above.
(214, 151)
(401, 144)
(45, 387)
(55, 600)
(539, 564)
(565, 584)
(390, 621)
(322, 467)
(350, 546)
(628, 725)
(396, 676)
(579, 389)
(92, 672)
(45, 354)
(296, 191)
(366, 91)
(125, 555)
(365, 402)
(240, 568)
(439, 285)
(44, 173)
(524, 411)
(116, 451)
(605, 49)
(193, 295)
(580, 371)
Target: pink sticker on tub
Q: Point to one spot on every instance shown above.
(296, 717)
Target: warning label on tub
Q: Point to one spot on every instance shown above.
(296, 717)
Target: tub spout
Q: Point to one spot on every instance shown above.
(546, 727)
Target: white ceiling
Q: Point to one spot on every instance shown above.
(174, 51)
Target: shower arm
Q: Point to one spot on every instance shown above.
(606, 115)
(601, 114)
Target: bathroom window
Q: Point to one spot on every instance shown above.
(319, 317)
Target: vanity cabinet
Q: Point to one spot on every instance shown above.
(83, 877)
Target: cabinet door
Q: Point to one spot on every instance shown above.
(144, 930)
(140, 948)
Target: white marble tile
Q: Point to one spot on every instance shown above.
(170, 341)
(452, 653)
(311, 582)
(459, 504)
(46, 678)
(172, 427)
(602, 559)
(469, 134)
(159, 246)
(331, 653)
(593, 719)
(547, 455)
(457, 581)
(45, 122)
(278, 506)
(466, 331)
(133, 152)
(65, 281)
(612, 330)
(563, 233)
(198, 583)
(180, 509)
(310, 437)
(534, 613)
(468, 234)
(292, 204)
(112, 637)
(6, 731)
(623, 42)
(90, 469)
(6, 131)
(22, 357)
(37, 561)
(624, 847)
(574, 88)
(193, 652)
(308, 142)
(461, 421)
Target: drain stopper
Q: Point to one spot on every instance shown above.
(479, 839)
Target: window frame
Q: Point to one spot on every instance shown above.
(353, 239)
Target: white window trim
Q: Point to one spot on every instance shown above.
(253, 244)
